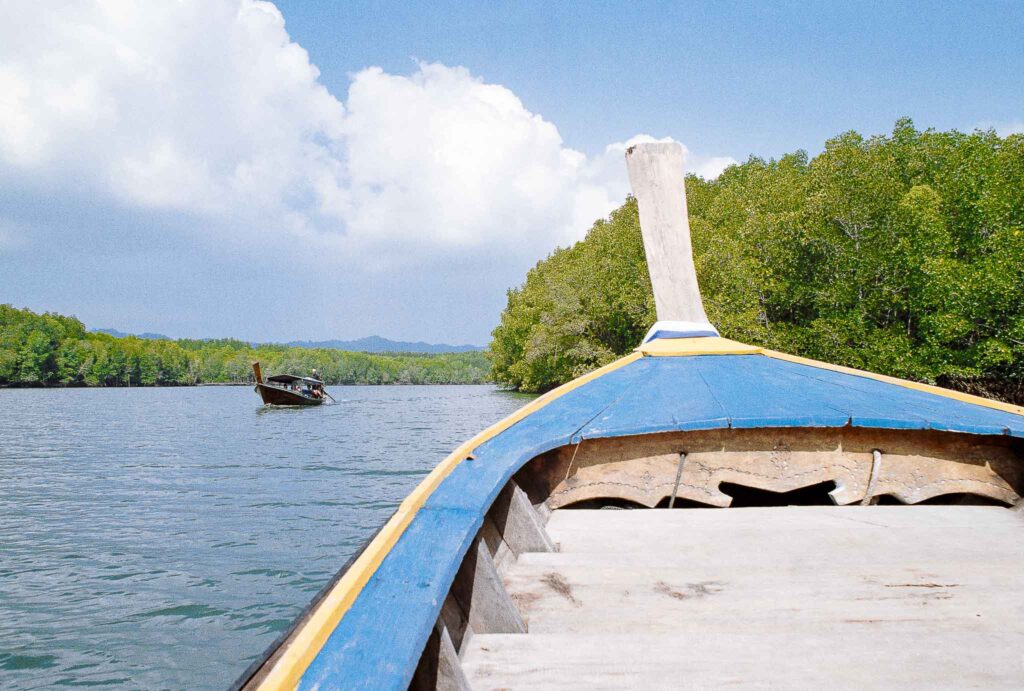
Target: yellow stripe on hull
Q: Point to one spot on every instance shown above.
(310, 639)
(679, 347)
(706, 345)
(927, 388)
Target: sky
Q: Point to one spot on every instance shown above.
(313, 170)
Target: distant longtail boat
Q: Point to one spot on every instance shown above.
(288, 389)
(585, 541)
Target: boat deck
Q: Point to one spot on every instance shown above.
(795, 597)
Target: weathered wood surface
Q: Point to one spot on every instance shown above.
(478, 601)
(656, 176)
(854, 657)
(518, 523)
(915, 465)
(611, 596)
(478, 589)
(442, 670)
(802, 537)
(796, 597)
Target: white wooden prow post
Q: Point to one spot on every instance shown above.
(656, 175)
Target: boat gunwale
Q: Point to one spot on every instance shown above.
(286, 673)
(306, 399)
(368, 561)
(252, 672)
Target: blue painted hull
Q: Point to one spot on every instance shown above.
(378, 641)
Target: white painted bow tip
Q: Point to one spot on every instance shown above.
(679, 329)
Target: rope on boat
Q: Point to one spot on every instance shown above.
(876, 469)
(679, 476)
(572, 460)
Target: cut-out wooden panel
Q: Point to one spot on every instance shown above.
(913, 466)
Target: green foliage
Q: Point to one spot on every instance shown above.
(900, 254)
(52, 350)
(578, 309)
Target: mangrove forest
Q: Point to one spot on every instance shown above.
(54, 350)
(901, 254)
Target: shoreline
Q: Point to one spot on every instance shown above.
(204, 384)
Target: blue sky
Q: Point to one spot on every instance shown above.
(733, 78)
(333, 170)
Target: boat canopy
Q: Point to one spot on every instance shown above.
(291, 379)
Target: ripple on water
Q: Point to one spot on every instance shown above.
(19, 662)
(162, 538)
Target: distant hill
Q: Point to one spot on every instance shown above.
(378, 344)
(370, 344)
(121, 334)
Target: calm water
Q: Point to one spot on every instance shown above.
(161, 538)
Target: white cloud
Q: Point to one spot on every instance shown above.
(1003, 129)
(441, 158)
(710, 167)
(1007, 128)
(209, 108)
(204, 107)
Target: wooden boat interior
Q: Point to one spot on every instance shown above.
(834, 540)
(754, 558)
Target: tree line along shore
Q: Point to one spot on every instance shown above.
(901, 254)
(55, 350)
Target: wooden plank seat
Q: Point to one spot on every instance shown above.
(792, 597)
